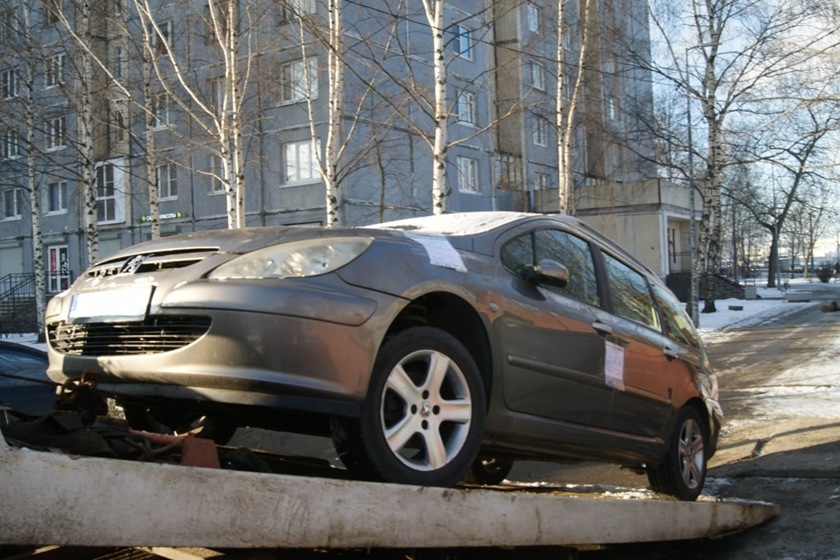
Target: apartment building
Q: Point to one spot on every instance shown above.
(117, 124)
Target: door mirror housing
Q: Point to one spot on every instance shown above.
(548, 272)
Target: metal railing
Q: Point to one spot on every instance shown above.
(17, 303)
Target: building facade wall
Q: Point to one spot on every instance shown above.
(503, 143)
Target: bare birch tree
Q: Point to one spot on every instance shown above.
(744, 48)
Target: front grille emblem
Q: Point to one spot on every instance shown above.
(132, 264)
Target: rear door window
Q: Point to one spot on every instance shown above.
(675, 322)
(631, 296)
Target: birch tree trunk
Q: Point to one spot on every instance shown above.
(335, 72)
(565, 112)
(85, 131)
(32, 183)
(151, 155)
(434, 14)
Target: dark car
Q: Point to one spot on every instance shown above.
(424, 347)
(25, 388)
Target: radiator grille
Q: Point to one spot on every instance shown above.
(152, 336)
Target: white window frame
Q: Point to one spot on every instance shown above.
(167, 180)
(158, 45)
(541, 181)
(56, 133)
(56, 193)
(613, 108)
(532, 17)
(538, 76)
(10, 83)
(290, 9)
(463, 43)
(9, 28)
(58, 269)
(12, 203)
(467, 107)
(299, 163)
(467, 175)
(109, 199)
(217, 171)
(540, 133)
(293, 77)
(10, 144)
(55, 70)
(160, 110)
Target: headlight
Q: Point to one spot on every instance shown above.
(294, 260)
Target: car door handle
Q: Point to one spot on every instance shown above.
(670, 354)
(602, 329)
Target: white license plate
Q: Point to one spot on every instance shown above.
(130, 302)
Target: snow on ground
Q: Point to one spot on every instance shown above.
(811, 388)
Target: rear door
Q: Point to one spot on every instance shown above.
(643, 375)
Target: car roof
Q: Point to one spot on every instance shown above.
(456, 224)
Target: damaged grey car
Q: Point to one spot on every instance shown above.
(427, 348)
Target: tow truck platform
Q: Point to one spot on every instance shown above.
(61, 499)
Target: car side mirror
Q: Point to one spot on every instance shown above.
(548, 272)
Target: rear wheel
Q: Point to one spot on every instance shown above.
(423, 417)
(683, 472)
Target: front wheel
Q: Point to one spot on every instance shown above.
(423, 417)
(683, 472)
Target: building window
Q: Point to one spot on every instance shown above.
(217, 175)
(301, 164)
(467, 174)
(52, 11)
(117, 62)
(55, 70)
(613, 110)
(291, 9)
(463, 42)
(467, 107)
(161, 38)
(56, 197)
(106, 194)
(10, 83)
(160, 110)
(540, 181)
(12, 204)
(294, 78)
(538, 76)
(540, 131)
(167, 180)
(58, 269)
(8, 26)
(533, 17)
(9, 144)
(217, 94)
(56, 132)
(508, 171)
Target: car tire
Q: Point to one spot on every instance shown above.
(489, 471)
(422, 420)
(683, 472)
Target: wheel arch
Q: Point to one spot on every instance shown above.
(454, 315)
